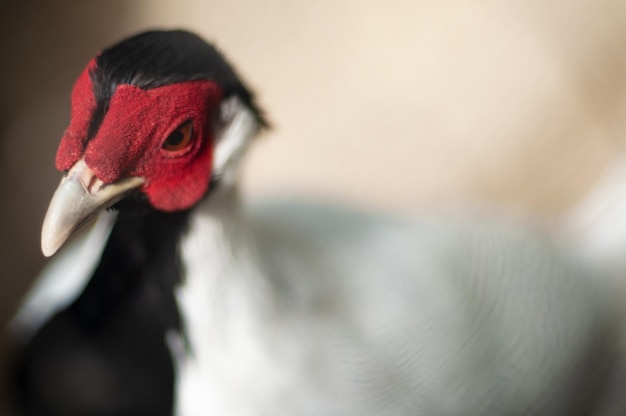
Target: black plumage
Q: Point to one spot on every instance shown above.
(156, 58)
(106, 354)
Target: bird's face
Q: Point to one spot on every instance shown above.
(158, 139)
(146, 114)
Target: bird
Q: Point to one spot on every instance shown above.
(185, 299)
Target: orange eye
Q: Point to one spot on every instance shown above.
(179, 139)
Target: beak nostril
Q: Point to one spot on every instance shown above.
(89, 181)
(94, 185)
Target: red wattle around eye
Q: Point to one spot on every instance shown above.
(83, 106)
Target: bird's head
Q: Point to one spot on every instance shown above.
(160, 116)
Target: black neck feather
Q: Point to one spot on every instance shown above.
(107, 353)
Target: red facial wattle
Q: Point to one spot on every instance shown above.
(83, 108)
(129, 141)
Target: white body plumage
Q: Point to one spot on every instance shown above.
(298, 310)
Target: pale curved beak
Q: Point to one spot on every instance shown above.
(79, 197)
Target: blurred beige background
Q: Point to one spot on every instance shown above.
(395, 105)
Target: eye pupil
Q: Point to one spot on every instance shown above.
(175, 138)
(179, 139)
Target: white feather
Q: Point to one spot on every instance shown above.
(300, 310)
(597, 224)
(240, 128)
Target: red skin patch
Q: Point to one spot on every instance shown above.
(130, 139)
(83, 106)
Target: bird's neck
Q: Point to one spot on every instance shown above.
(223, 275)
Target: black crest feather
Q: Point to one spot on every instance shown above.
(156, 58)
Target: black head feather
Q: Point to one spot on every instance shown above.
(156, 58)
